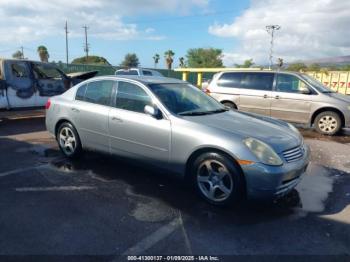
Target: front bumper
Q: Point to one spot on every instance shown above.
(269, 182)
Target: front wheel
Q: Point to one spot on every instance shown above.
(328, 123)
(217, 179)
(68, 140)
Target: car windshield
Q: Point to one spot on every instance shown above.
(185, 99)
(316, 84)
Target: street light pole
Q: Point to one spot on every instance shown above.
(271, 30)
(66, 29)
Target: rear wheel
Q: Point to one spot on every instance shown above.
(328, 123)
(68, 140)
(217, 179)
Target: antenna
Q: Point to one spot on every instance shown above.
(270, 30)
(66, 30)
(86, 47)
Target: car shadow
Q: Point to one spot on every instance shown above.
(150, 182)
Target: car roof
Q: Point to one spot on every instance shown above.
(143, 79)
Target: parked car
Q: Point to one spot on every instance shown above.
(175, 126)
(293, 97)
(137, 72)
(25, 83)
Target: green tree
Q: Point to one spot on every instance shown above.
(130, 60)
(345, 67)
(314, 67)
(297, 67)
(156, 58)
(246, 64)
(91, 60)
(43, 53)
(169, 58)
(18, 55)
(204, 57)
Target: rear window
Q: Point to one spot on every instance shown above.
(80, 93)
(232, 80)
(127, 72)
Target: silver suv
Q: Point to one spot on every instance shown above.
(292, 97)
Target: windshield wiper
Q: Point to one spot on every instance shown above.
(199, 113)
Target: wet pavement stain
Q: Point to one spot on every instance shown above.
(343, 137)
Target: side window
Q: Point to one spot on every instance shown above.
(257, 81)
(81, 93)
(19, 70)
(132, 97)
(290, 84)
(127, 72)
(146, 73)
(230, 80)
(42, 71)
(99, 92)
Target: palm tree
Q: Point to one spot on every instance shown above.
(182, 62)
(43, 53)
(169, 58)
(156, 58)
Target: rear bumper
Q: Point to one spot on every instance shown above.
(270, 182)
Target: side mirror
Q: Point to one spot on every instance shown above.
(305, 92)
(153, 111)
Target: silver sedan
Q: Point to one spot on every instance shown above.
(173, 125)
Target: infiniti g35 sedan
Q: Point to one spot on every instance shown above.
(171, 124)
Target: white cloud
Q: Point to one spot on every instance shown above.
(23, 21)
(309, 29)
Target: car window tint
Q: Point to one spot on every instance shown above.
(132, 97)
(99, 92)
(257, 81)
(127, 72)
(43, 71)
(230, 80)
(146, 73)
(80, 93)
(290, 84)
(19, 70)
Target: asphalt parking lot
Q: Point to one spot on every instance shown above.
(104, 206)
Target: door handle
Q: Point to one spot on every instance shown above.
(265, 96)
(75, 110)
(277, 97)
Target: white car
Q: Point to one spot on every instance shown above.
(138, 72)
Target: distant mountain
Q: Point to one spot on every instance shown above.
(336, 60)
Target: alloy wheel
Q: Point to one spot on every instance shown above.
(67, 140)
(327, 124)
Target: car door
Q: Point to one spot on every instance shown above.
(20, 85)
(134, 133)
(90, 113)
(291, 99)
(255, 92)
(49, 82)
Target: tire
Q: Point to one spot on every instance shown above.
(328, 123)
(217, 179)
(230, 105)
(68, 140)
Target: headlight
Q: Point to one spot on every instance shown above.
(293, 128)
(263, 152)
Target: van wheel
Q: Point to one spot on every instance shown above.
(68, 140)
(230, 105)
(328, 123)
(217, 179)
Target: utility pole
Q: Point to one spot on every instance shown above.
(22, 52)
(86, 48)
(271, 30)
(66, 30)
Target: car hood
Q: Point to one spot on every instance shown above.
(273, 132)
(341, 97)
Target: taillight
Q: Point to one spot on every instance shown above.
(48, 104)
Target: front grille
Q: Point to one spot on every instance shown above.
(293, 154)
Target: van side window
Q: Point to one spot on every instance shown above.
(257, 81)
(80, 93)
(99, 92)
(19, 70)
(290, 84)
(232, 80)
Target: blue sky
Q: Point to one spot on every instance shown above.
(146, 27)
